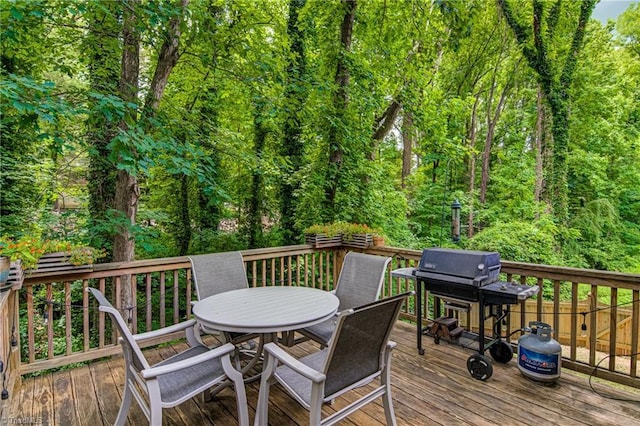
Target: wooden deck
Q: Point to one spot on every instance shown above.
(434, 389)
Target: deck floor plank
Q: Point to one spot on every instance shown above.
(63, 398)
(86, 405)
(107, 392)
(434, 389)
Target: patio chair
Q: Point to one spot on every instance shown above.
(176, 379)
(358, 353)
(359, 283)
(217, 273)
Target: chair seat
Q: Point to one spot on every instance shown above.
(321, 332)
(176, 385)
(300, 385)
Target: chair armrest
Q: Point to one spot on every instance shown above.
(153, 372)
(166, 330)
(300, 368)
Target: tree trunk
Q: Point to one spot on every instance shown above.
(127, 191)
(340, 103)
(407, 145)
(104, 71)
(472, 133)
(555, 80)
(492, 120)
(256, 199)
(539, 146)
(293, 148)
(384, 124)
(184, 215)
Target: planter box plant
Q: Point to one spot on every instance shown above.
(37, 256)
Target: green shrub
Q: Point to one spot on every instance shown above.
(518, 242)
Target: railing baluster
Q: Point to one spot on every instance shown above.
(188, 290)
(85, 316)
(101, 317)
(163, 302)
(327, 264)
(134, 309)
(67, 317)
(49, 321)
(540, 300)
(613, 328)
(593, 322)
(117, 292)
(30, 328)
(273, 271)
(147, 302)
(574, 321)
(176, 298)
(556, 306)
(635, 325)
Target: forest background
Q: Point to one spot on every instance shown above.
(157, 128)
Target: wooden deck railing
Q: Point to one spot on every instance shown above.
(57, 324)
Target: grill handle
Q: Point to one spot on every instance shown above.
(477, 281)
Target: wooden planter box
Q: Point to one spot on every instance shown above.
(321, 240)
(58, 262)
(16, 277)
(358, 240)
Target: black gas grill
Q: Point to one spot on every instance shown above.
(461, 277)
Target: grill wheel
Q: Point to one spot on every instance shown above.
(479, 367)
(501, 351)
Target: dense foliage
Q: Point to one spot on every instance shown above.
(244, 122)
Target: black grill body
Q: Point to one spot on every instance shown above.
(465, 276)
(458, 273)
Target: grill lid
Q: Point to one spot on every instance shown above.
(460, 266)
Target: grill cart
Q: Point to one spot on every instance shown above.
(459, 278)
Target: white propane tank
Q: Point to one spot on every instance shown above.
(539, 355)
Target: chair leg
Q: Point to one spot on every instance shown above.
(315, 410)
(387, 401)
(262, 408)
(126, 404)
(155, 405)
(238, 383)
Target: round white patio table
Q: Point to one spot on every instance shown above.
(266, 310)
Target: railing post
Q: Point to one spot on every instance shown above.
(9, 351)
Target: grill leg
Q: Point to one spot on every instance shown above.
(481, 321)
(419, 315)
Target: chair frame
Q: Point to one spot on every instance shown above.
(275, 355)
(235, 338)
(340, 290)
(142, 381)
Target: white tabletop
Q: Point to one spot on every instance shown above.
(266, 309)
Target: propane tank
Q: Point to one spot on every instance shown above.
(539, 355)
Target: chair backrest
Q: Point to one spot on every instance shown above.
(133, 353)
(360, 279)
(216, 273)
(358, 344)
